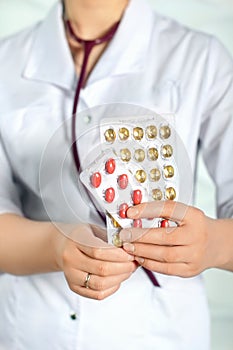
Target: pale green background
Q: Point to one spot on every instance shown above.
(214, 16)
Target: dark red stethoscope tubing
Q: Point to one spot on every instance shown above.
(88, 45)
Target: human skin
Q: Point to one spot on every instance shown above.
(196, 244)
(30, 247)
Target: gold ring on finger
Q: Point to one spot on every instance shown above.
(87, 279)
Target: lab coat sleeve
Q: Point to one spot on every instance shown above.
(216, 134)
(9, 191)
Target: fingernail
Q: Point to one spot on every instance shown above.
(132, 212)
(126, 235)
(131, 258)
(129, 247)
(139, 259)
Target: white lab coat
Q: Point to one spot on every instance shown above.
(153, 62)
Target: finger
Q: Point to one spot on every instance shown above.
(100, 232)
(101, 283)
(86, 235)
(110, 254)
(93, 294)
(175, 254)
(159, 236)
(159, 209)
(110, 269)
(176, 269)
(104, 268)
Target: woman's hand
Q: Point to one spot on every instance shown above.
(186, 250)
(108, 266)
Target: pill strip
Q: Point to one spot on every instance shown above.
(115, 188)
(146, 146)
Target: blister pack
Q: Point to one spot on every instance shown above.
(138, 164)
(146, 145)
(115, 188)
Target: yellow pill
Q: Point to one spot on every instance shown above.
(170, 193)
(157, 194)
(165, 132)
(125, 154)
(138, 133)
(117, 241)
(153, 153)
(115, 223)
(168, 171)
(167, 151)
(123, 134)
(155, 174)
(140, 176)
(110, 135)
(139, 155)
(151, 132)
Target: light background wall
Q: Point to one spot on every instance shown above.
(213, 16)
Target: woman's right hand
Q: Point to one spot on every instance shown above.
(108, 266)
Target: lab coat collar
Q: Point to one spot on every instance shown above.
(50, 57)
(128, 50)
(51, 61)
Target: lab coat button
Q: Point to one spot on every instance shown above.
(87, 119)
(73, 316)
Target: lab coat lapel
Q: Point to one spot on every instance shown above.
(126, 54)
(50, 59)
(112, 79)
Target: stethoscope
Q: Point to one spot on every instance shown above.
(88, 46)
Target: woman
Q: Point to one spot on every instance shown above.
(149, 61)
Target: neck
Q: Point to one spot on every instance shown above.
(93, 18)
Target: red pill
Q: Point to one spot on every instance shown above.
(137, 223)
(123, 181)
(110, 166)
(96, 179)
(122, 210)
(109, 194)
(164, 223)
(137, 197)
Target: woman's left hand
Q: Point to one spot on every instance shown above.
(185, 250)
